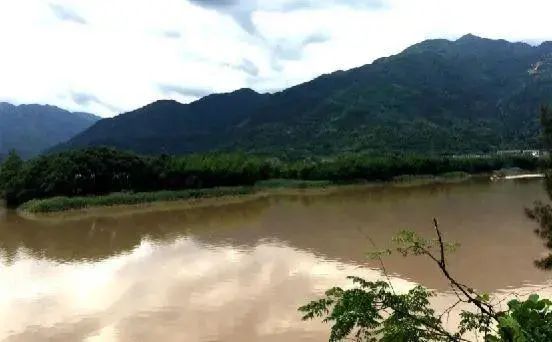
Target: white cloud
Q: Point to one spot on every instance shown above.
(107, 56)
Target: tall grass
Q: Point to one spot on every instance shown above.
(292, 183)
(60, 203)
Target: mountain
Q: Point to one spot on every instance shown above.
(31, 129)
(167, 126)
(438, 96)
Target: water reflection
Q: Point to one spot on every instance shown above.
(97, 237)
(238, 271)
(189, 291)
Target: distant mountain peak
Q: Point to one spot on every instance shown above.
(470, 36)
(238, 92)
(245, 91)
(164, 102)
(32, 128)
(35, 106)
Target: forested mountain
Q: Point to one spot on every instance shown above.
(31, 129)
(438, 96)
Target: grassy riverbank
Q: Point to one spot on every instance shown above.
(62, 203)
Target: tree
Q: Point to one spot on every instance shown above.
(541, 212)
(10, 173)
(374, 311)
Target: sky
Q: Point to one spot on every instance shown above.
(112, 56)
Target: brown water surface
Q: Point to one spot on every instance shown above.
(238, 271)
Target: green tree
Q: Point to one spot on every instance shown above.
(10, 174)
(542, 212)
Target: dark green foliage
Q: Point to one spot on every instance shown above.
(10, 175)
(542, 212)
(529, 320)
(79, 173)
(366, 167)
(546, 122)
(31, 129)
(438, 96)
(104, 170)
(524, 321)
(373, 311)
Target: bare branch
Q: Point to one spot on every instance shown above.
(382, 265)
(441, 246)
(470, 294)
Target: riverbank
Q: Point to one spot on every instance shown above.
(64, 204)
(272, 186)
(61, 203)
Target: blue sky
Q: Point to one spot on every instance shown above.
(110, 56)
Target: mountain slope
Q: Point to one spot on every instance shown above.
(438, 96)
(31, 129)
(167, 126)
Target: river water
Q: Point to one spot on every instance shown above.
(237, 271)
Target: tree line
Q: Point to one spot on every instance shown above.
(103, 170)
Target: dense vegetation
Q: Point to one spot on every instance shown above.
(103, 170)
(469, 95)
(542, 212)
(31, 129)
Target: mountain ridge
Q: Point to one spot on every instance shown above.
(437, 96)
(30, 129)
